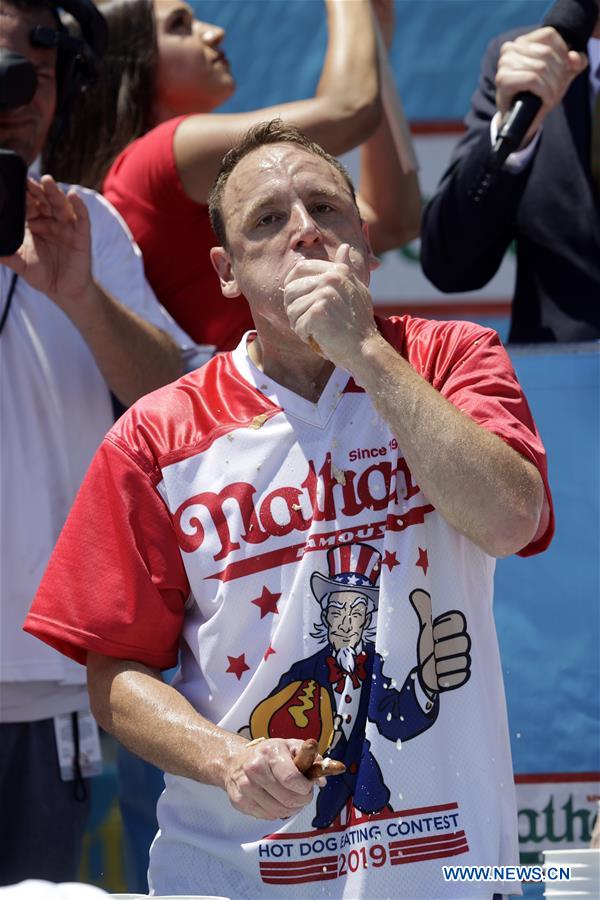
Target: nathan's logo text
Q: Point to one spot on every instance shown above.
(556, 823)
(320, 498)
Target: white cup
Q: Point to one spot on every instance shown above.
(585, 873)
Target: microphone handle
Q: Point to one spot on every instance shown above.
(524, 110)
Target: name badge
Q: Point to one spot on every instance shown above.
(90, 754)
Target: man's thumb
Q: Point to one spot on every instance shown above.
(421, 603)
(342, 254)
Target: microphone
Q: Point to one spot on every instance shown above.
(574, 20)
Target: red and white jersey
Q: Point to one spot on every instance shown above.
(219, 518)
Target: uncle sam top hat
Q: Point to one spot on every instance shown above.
(352, 567)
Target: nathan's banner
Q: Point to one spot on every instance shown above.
(556, 812)
(399, 284)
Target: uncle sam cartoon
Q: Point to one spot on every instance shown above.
(333, 693)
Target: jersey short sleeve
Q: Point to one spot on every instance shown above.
(469, 366)
(115, 584)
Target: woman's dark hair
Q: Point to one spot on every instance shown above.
(117, 108)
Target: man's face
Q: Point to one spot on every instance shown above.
(24, 129)
(282, 204)
(346, 619)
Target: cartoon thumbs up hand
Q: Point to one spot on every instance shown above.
(443, 646)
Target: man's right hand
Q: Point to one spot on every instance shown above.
(539, 62)
(262, 780)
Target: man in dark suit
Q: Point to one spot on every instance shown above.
(544, 197)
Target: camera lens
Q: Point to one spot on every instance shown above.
(18, 80)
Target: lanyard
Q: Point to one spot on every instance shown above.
(7, 305)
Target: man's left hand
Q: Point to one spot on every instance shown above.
(55, 256)
(326, 301)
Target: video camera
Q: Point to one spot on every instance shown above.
(17, 87)
(76, 67)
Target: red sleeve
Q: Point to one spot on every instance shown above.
(115, 583)
(469, 366)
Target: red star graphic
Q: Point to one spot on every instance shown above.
(267, 602)
(390, 560)
(237, 665)
(423, 560)
(269, 652)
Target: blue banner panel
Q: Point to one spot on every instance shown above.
(276, 48)
(547, 607)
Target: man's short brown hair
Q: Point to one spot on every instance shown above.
(274, 132)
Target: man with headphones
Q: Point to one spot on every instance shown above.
(78, 322)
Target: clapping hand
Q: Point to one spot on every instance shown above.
(55, 256)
